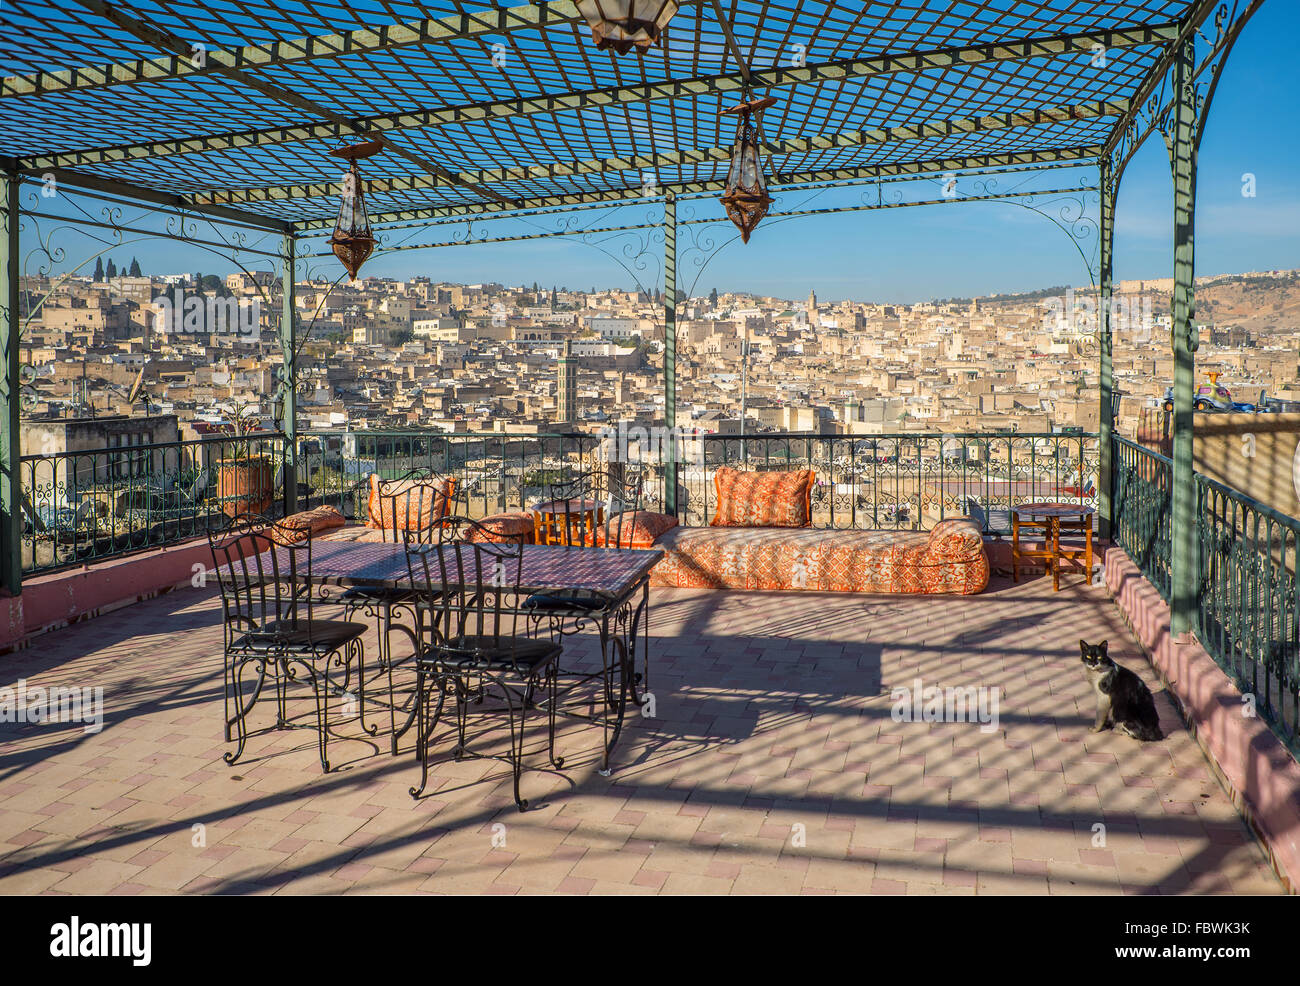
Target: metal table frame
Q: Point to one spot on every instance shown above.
(620, 619)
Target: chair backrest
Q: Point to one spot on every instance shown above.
(412, 507)
(468, 584)
(625, 490)
(264, 576)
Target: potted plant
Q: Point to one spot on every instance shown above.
(244, 482)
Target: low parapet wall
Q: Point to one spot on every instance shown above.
(1259, 773)
(69, 595)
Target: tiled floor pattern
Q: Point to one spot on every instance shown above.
(772, 764)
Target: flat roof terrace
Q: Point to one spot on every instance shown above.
(773, 764)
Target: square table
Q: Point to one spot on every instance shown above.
(612, 578)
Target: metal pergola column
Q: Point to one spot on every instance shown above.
(1183, 529)
(670, 352)
(289, 372)
(11, 523)
(1106, 417)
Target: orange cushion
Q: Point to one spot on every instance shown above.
(955, 539)
(306, 523)
(408, 504)
(503, 527)
(633, 529)
(762, 499)
(806, 558)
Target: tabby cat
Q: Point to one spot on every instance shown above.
(1123, 699)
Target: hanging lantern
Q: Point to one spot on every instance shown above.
(745, 197)
(352, 240)
(626, 24)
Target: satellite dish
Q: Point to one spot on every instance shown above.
(134, 394)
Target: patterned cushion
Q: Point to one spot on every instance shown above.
(825, 560)
(306, 523)
(391, 508)
(501, 527)
(633, 529)
(955, 539)
(359, 534)
(762, 499)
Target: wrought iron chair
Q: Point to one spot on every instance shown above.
(415, 510)
(470, 644)
(264, 576)
(618, 492)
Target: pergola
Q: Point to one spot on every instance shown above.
(226, 111)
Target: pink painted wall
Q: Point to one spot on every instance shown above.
(62, 597)
(1259, 771)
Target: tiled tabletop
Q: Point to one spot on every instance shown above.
(545, 567)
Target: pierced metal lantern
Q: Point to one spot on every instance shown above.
(352, 241)
(745, 197)
(626, 24)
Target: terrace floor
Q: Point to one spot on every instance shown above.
(773, 765)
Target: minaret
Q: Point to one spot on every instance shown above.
(812, 304)
(566, 390)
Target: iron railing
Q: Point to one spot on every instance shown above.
(97, 503)
(1142, 483)
(1248, 614)
(86, 505)
(906, 480)
(869, 481)
(493, 473)
(1248, 609)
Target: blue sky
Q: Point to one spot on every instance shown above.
(915, 254)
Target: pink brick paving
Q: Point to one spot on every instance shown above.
(773, 767)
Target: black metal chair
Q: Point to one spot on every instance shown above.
(618, 491)
(264, 575)
(411, 514)
(470, 645)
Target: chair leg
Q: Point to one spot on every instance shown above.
(552, 677)
(392, 710)
(322, 694)
(227, 675)
(462, 712)
(516, 745)
(240, 719)
(421, 730)
(360, 649)
(282, 694)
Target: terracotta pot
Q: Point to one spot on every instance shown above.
(244, 486)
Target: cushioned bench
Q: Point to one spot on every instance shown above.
(741, 554)
(949, 559)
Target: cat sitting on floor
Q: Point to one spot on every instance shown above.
(1123, 699)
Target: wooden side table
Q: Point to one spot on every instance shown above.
(1051, 519)
(572, 523)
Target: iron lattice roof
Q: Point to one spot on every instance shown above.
(511, 105)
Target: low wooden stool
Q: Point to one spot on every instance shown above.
(1051, 519)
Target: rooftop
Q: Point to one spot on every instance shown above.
(773, 765)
